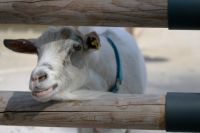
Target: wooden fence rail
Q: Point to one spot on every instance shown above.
(112, 111)
(144, 13)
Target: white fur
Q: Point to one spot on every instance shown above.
(98, 71)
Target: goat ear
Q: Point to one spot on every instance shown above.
(92, 41)
(20, 45)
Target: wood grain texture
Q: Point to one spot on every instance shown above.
(112, 111)
(137, 13)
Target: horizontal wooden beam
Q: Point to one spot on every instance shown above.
(112, 111)
(137, 13)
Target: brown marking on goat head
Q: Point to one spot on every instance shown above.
(66, 32)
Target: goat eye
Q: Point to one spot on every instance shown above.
(77, 47)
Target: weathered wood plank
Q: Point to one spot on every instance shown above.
(112, 111)
(143, 13)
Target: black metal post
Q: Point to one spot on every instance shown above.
(184, 14)
(183, 112)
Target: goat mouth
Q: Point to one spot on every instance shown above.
(44, 92)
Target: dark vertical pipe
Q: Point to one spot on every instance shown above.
(184, 14)
(183, 112)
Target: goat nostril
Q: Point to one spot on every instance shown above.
(34, 78)
(42, 77)
(39, 77)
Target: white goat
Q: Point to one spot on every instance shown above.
(77, 64)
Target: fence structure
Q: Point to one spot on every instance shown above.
(112, 111)
(174, 112)
(175, 14)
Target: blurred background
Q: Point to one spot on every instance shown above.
(172, 60)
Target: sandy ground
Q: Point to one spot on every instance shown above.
(172, 59)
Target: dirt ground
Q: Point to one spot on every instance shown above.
(172, 59)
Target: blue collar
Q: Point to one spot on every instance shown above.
(119, 75)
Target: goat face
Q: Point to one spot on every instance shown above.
(61, 60)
